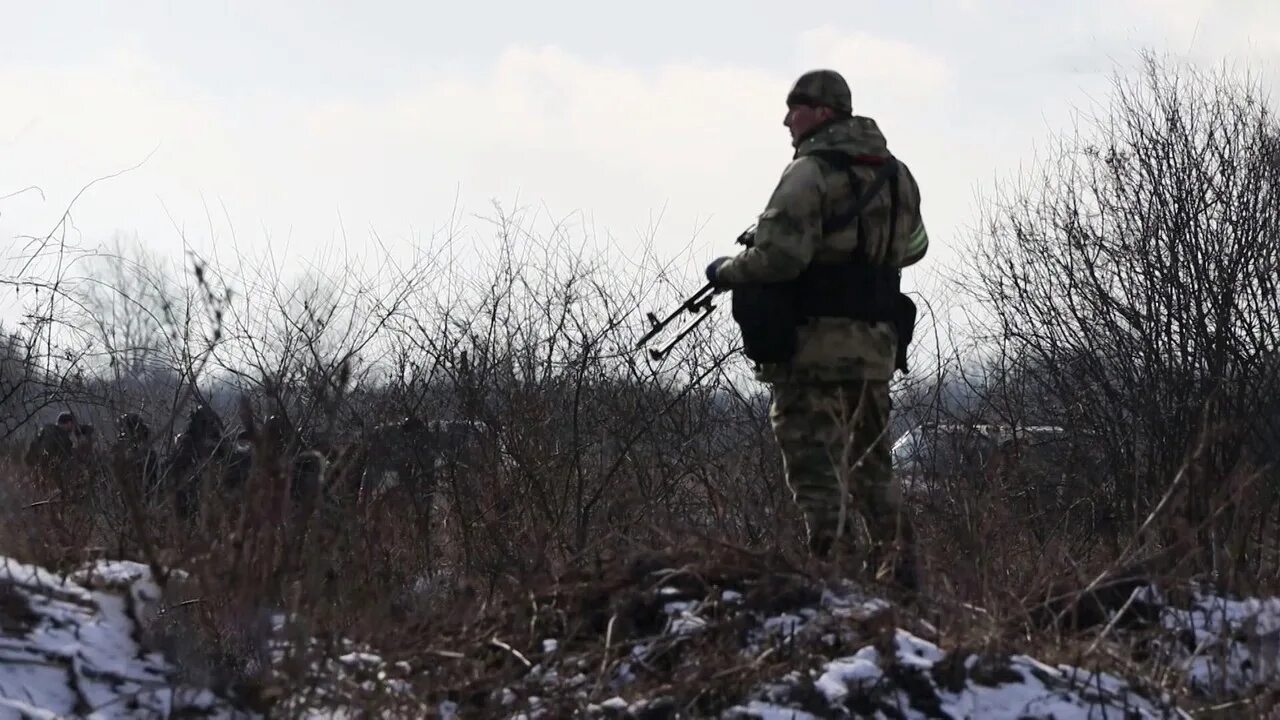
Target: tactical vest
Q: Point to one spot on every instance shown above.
(769, 314)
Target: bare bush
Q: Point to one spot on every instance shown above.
(396, 447)
(1133, 285)
(582, 450)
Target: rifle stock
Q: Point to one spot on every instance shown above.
(698, 304)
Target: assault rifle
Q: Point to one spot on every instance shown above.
(698, 304)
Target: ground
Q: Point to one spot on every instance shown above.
(660, 636)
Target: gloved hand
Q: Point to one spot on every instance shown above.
(713, 268)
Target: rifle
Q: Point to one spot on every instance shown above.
(698, 304)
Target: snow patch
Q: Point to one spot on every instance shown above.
(1225, 648)
(917, 683)
(71, 647)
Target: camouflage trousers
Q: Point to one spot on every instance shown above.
(835, 449)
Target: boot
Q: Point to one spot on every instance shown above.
(844, 553)
(896, 566)
(905, 573)
(821, 544)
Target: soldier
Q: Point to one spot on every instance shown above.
(192, 450)
(85, 443)
(51, 450)
(306, 467)
(396, 453)
(841, 223)
(133, 458)
(235, 475)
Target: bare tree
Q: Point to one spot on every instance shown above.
(1134, 283)
(43, 361)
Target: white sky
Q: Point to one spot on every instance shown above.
(394, 116)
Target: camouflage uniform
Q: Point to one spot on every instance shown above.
(397, 458)
(831, 405)
(134, 460)
(51, 450)
(190, 453)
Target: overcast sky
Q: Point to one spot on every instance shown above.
(396, 116)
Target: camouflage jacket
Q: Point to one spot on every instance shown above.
(789, 236)
(51, 447)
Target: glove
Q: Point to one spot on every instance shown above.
(713, 268)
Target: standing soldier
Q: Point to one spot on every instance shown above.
(52, 449)
(191, 452)
(134, 461)
(827, 255)
(86, 446)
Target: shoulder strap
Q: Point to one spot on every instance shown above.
(888, 172)
(893, 208)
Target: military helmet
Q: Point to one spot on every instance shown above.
(822, 88)
(65, 417)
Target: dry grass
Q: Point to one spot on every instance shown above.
(594, 468)
(469, 621)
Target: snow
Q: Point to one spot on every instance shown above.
(75, 647)
(1238, 642)
(340, 675)
(918, 679)
(1225, 647)
(758, 710)
(835, 681)
(1026, 689)
(70, 647)
(614, 703)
